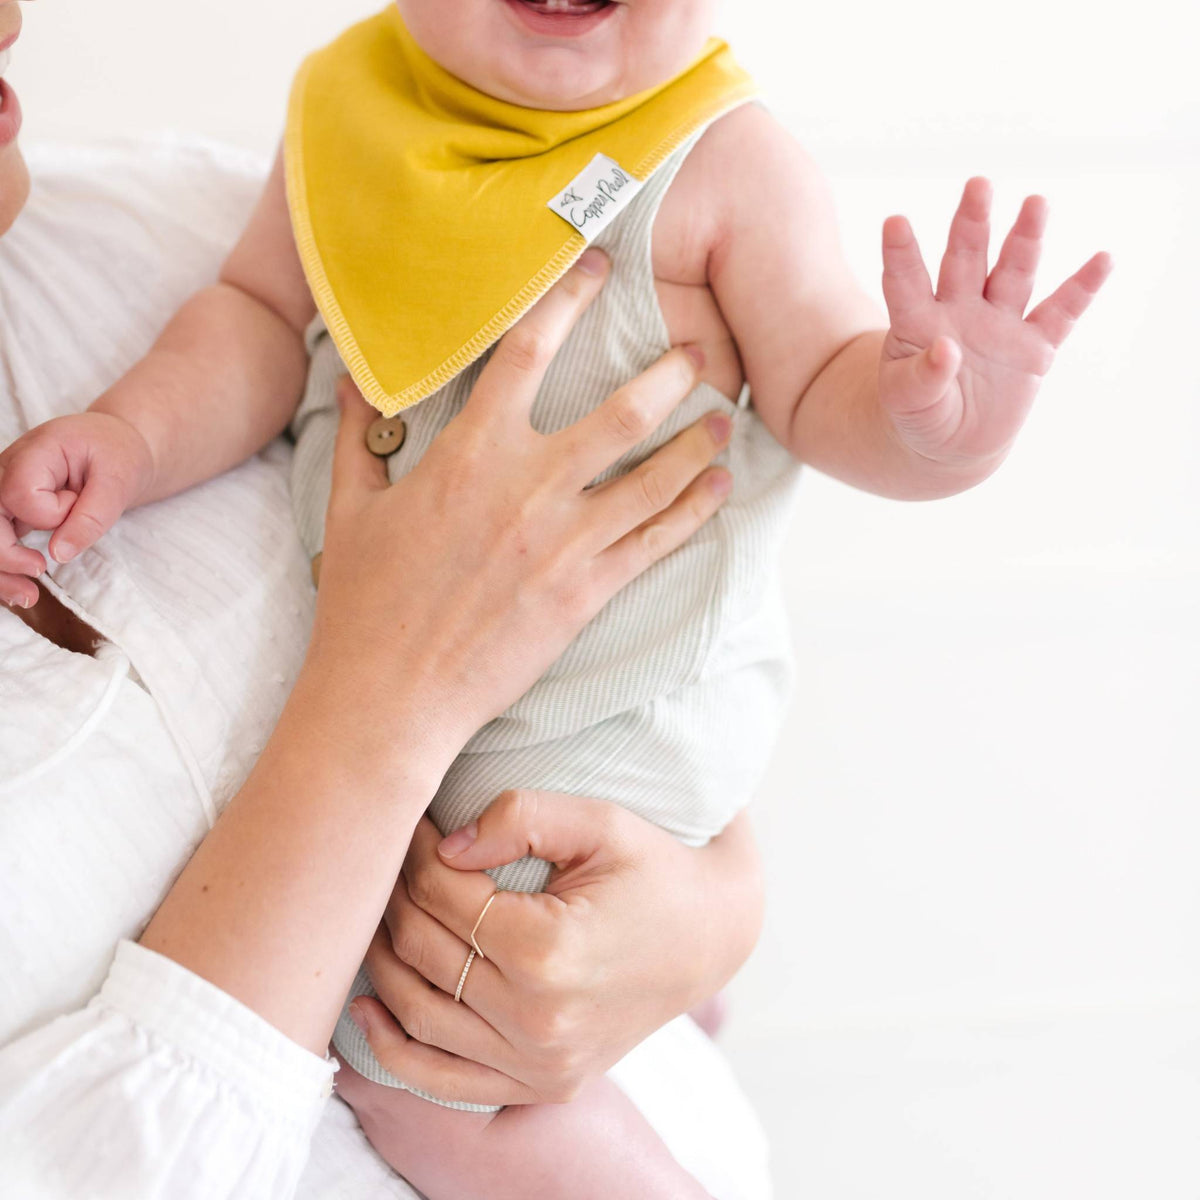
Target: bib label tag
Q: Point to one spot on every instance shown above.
(595, 196)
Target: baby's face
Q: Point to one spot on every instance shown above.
(560, 54)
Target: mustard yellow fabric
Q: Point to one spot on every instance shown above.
(419, 204)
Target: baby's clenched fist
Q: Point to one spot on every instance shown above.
(74, 475)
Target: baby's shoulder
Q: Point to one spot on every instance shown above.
(745, 167)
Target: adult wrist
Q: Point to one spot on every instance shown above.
(377, 726)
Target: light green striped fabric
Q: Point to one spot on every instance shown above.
(669, 701)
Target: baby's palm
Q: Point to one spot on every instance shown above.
(960, 368)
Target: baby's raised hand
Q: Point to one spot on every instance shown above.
(74, 475)
(960, 368)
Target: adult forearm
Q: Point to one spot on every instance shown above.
(840, 428)
(220, 382)
(278, 904)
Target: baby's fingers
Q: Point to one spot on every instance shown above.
(94, 512)
(18, 590)
(1011, 282)
(16, 559)
(35, 485)
(965, 263)
(1057, 314)
(906, 285)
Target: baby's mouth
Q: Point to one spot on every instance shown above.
(577, 8)
(563, 18)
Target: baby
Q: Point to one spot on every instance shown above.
(445, 162)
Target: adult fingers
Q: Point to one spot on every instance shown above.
(664, 533)
(422, 942)
(432, 1069)
(654, 484)
(1057, 314)
(508, 384)
(520, 930)
(906, 285)
(356, 471)
(1010, 284)
(629, 415)
(431, 1016)
(964, 265)
(548, 825)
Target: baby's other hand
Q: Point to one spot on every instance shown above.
(74, 475)
(961, 365)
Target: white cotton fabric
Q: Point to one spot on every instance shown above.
(122, 1075)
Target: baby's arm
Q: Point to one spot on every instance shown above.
(926, 408)
(221, 381)
(596, 1146)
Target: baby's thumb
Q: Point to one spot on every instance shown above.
(548, 825)
(96, 510)
(920, 380)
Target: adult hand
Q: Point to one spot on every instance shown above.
(441, 600)
(633, 929)
(468, 577)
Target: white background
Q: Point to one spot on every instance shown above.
(981, 971)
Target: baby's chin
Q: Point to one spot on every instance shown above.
(561, 81)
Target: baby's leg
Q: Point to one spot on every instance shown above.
(710, 1014)
(597, 1147)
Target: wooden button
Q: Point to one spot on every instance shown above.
(315, 567)
(386, 435)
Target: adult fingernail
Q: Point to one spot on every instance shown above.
(459, 840)
(593, 261)
(720, 426)
(359, 1018)
(64, 552)
(721, 482)
(695, 354)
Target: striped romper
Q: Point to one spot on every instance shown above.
(669, 701)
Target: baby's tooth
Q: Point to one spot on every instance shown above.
(5, 59)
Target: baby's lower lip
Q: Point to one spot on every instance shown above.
(574, 21)
(10, 114)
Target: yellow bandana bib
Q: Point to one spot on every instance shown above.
(430, 216)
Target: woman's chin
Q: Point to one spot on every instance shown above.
(14, 185)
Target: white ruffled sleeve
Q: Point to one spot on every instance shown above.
(163, 1087)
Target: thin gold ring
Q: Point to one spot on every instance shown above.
(462, 979)
(479, 921)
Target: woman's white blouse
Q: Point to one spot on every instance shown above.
(130, 1077)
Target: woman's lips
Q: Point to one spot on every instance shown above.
(10, 114)
(562, 20)
(10, 107)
